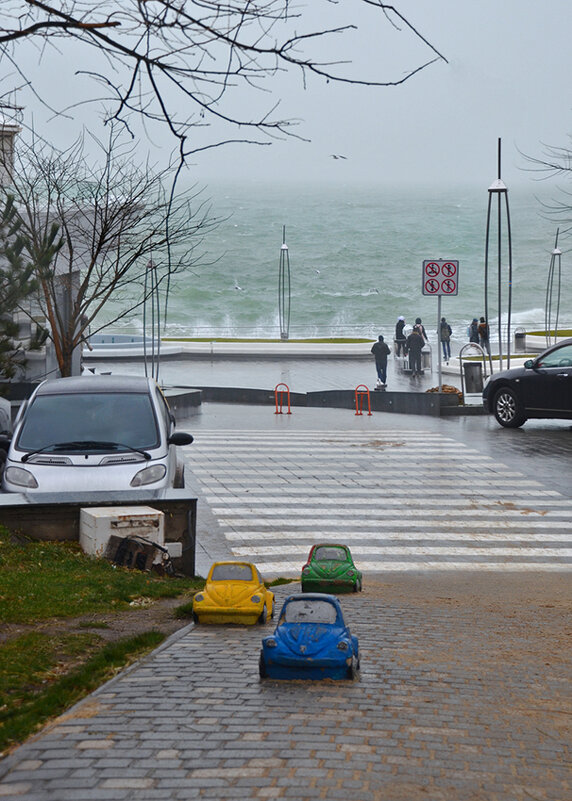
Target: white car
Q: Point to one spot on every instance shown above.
(96, 433)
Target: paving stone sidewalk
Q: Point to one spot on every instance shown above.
(464, 695)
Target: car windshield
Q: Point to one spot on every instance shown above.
(107, 417)
(306, 611)
(330, 552)
(232, 573)
(562, 357)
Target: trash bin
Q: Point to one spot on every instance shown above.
(473, 377)
(520, 341)
(426, 359)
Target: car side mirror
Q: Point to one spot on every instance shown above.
(529, 364)
(180, 438)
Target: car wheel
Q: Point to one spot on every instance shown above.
(357, 586)
(195, 619)
(263, 616)
(262, 667)
(507, 408)
(304, 587)
(353, 670)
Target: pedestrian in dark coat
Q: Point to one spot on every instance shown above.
(474, 331)
(414, 344)
(381, 351)
(483, 330)
(399, 335)
(421, 328)
(445, 337)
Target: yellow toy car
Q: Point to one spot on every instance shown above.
(234, 593)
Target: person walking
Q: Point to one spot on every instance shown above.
(445, 338)
(473, 331)
(483, 330)
(381, 351)
(414, 345)
(399, 335)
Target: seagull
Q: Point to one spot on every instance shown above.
(236, 286)
(317, 272)
(338, 156)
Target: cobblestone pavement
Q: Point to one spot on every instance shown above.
(465, 686)
(463, 695)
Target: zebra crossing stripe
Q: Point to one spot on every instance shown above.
(407, 500)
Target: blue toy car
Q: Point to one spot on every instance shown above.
(311, 641)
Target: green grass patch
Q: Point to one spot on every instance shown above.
(41, 676)
(184, 611)
(277, 582)
(42, 580)
(562, 332)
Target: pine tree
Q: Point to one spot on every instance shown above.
(17, 283)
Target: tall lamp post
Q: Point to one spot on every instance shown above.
(499, 189)
(555, 264)
(284, 292)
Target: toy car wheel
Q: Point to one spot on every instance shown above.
(304, 588)
(262, 667)
(353, 669)
(263, 616)
(357, 586)
(195, 618)
(508, 409)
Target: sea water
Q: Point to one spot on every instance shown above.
(356, 260)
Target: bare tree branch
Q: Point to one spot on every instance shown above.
(90, 233)
(182, 63)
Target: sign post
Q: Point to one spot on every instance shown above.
(440, 277)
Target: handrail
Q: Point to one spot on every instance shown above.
(280, 389)
(362, 390)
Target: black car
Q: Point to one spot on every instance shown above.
(542, 387)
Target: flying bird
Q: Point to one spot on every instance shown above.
(338, 156)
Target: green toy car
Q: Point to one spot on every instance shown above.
(330, 568)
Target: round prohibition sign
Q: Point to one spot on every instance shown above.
(432, 269)
(449, 269)
(448, 286)
(431, 286)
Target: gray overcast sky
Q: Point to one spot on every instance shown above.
(508, 76)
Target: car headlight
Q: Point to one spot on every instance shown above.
(255, 599)
(20, 477)
(270, 642)
(198, 597)
(149, 475)
(305, 569)
(342, 645)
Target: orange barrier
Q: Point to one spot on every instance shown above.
(280, 389)
(362, 390)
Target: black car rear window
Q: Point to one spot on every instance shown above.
(121, 417)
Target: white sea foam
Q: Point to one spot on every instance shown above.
(356, 259)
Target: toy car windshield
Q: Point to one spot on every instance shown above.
(232, 573)
(331, 552)
(314, 611)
